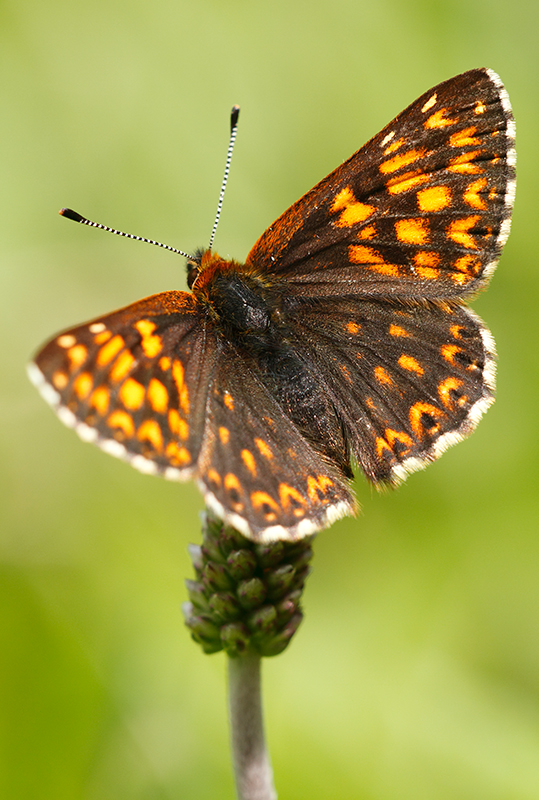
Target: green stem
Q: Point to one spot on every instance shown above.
(252, 767)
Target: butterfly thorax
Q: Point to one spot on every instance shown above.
(245, 306)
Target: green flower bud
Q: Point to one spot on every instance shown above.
(280, 580)
(246, 595)
(235, 638)
(224, 606)
(241, 564)
(197, 595)
(251, 593)
(215, 577)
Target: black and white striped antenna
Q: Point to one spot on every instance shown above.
(76, 217)
(234, 114)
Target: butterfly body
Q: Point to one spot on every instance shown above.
(343, 337)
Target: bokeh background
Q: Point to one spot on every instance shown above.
(415, 674)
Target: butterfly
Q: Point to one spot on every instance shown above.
(343, 337)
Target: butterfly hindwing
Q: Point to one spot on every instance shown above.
(256, 469)
(407, 381)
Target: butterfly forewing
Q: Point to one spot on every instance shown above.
(421, 211)
(136, 381)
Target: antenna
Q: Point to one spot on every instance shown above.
(76, 217)
(70, 214)
(234, 114)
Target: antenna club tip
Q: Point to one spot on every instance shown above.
(70, 214)
(234, 114)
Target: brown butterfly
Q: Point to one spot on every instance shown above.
(344, 335)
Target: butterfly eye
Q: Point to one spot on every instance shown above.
(193, 269)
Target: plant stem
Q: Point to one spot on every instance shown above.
(252, 767)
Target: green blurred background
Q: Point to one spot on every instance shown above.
(415, 674)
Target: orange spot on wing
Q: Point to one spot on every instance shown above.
(464, 138)
(470, 265)
(150, 432)
(412, 231)
(352, 211)
(60, 380)
(480, 108)
(446, 387)
(122, 420)
(228, 401)
(401, 160)
(394, 146)
(434, 198)
(317, 486)
(382, 445)
(263, 502)
(100, 400)
(383, 376)
(449, 351)
(157, 396)
(101, 338)
(183, 394)
(439, 119)
(291, 498)
(231, 482)
(109, 351)
(122, 365)
(249, 461)
(409, 363)
(425, 264)
(407, 181)
(224, 435)
(359, 254)
(264, 449)
(178, 456)
(151, 344)
(131, 394)
(177, 425)
(416, 413)
(82, 385)
(233, 486)
(214, 477)
(401, 437)
(164, 363)
(458, 231)
(353, 328)
(465, 162)
(77, 355)
(472, 195)
(367, 233)
(396, 330)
